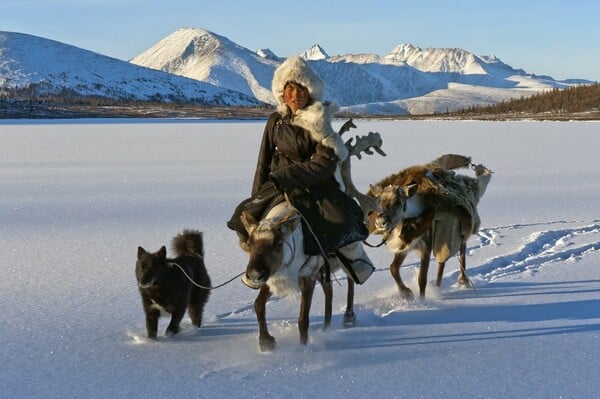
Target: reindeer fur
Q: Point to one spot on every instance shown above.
(450, 218)
(278, 265)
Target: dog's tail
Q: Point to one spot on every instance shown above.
(188, 243)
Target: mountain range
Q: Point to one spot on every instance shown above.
(196, 65)
(46, 66)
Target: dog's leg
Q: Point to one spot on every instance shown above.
(198, 299)
(173, 327)
(152, 316)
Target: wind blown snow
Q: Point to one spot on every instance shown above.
(79, 197)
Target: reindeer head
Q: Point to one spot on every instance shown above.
(266, 246)
(393, 201)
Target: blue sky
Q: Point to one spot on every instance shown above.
(557, 38)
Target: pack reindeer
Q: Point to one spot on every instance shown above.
(429, 209)
(278, 265)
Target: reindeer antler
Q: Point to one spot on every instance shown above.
(347, 126)
(365, 144)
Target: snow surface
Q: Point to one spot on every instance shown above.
(78, 198)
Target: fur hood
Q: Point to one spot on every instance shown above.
(295, 69)
(316, 117)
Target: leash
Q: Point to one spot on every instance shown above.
(383, 241)
(199, 285)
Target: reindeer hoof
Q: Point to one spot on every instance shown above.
(465, 283)
(349, 319)
(304, 339)
(407, 294)
(267, 344)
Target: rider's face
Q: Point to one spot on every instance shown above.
(295, 96)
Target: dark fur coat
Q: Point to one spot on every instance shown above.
(299, 158)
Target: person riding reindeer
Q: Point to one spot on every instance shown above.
(299, 159)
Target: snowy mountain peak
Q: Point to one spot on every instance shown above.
(316, 52)
(453, 60)
(180, 47)
(266, 53)
(404, 50)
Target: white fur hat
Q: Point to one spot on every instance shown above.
(295, 69)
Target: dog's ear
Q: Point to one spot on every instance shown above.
(141, 252)
(162, 252)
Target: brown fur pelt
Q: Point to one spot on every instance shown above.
(441, 188)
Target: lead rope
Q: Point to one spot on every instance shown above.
(383, 241)
(199, 285)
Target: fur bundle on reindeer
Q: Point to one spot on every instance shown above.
(429, 209)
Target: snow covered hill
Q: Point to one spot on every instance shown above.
(407, 80)
(48, 66)
(193, 64)
(205, 56)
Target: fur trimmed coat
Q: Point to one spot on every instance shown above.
(299, 156)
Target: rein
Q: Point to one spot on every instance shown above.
(383, 240)
(199, 285)
(292, 248)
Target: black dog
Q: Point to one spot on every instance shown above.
(164, 286)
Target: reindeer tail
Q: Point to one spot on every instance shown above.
(188, 243)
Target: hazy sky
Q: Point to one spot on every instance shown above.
(556, 37)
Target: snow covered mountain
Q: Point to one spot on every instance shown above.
(193, 64)
(47, 66)
(205, 56)
(408, 80)
(314, 53)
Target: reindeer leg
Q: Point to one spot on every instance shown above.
(307, 286)
(265, 340)
(440, 273)
(463, 279)
(328, 292)
(424, 269)
(405, 292)
(349, 316)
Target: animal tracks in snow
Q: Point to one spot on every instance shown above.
(523, 248)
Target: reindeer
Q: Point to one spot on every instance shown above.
(277, 262)
(429, 209)
(278, 265)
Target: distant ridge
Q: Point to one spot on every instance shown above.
(196, 66)
(576, 99)
(31, 64)
(408, 80)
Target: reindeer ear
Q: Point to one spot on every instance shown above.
(375, 190)
(141, 252)
(409, 190)
(162, 252)
(248, 221)
(289, 222)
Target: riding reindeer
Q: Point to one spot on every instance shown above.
(429, 209)
(278, 264)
